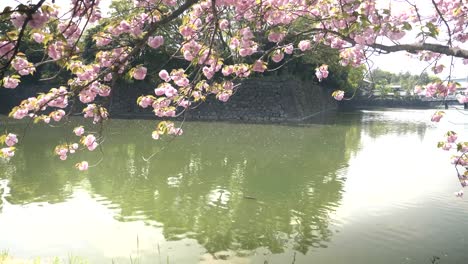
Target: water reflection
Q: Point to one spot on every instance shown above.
(228, 186)
(232, 186)
(398, 122)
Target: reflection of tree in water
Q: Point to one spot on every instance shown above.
(232, 186)
(229, 186)
(376, 124)
(35, 174)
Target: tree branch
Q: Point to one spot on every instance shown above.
(412, 48)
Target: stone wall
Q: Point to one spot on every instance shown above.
(266, 99)
(10, 98)
(402, 102)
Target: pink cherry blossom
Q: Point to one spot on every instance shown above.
(61, 151)
(140, 73)
(10, 82)
(57, 115)
(276, 36)
(289, 49)
(155, 135)
(17, 19)
(259, 66)
(234, 44)
(38, 37)
(227, 70)
(437, 116)
(6, 49)
(186, 31)
(184, 103)
(90, 142)
(223, 24)
(160, 91)
(108, 77)
(56, 50)
(462, 99)
(20, 113)
(79, 131)
(278, 56)
(145, 101)
(163, 74)
(321, 72)
(304, 45)
(244, 52)
(451, 137)
(82, 166)
(155, 42)
(103, 39)
(196, 95)
(438, 69)
(418, 90)
(175, 131)
(11, 140)
(451, 87)
(242, 70)
(7, 152)
(22, 66)
(38, 19)
(224, 97)
(446, 146)
(104, 90)
(182, 82)
(338, 95)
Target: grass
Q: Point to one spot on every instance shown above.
(5, 258)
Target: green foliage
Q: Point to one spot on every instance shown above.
(344, 78)
(383, 79)
(3, 256)
(120, 8)
(340, 77)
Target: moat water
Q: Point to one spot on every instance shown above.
(359, 187)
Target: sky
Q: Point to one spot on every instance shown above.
(394, 62)
(402, 62)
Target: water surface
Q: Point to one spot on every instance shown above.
(361, 187)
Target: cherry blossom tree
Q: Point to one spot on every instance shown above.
(222, 42)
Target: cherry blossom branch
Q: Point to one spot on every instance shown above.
(445, 22)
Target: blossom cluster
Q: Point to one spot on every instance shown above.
(436, 89)
(9, 140)
(89, 141)
(460, 159)
(56, 97)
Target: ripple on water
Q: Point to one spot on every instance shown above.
(219, 197)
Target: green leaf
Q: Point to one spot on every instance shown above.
(7, 9)
(12, 35)
(433, 29)
(37, 119)
(407, 26)
(22, 8)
